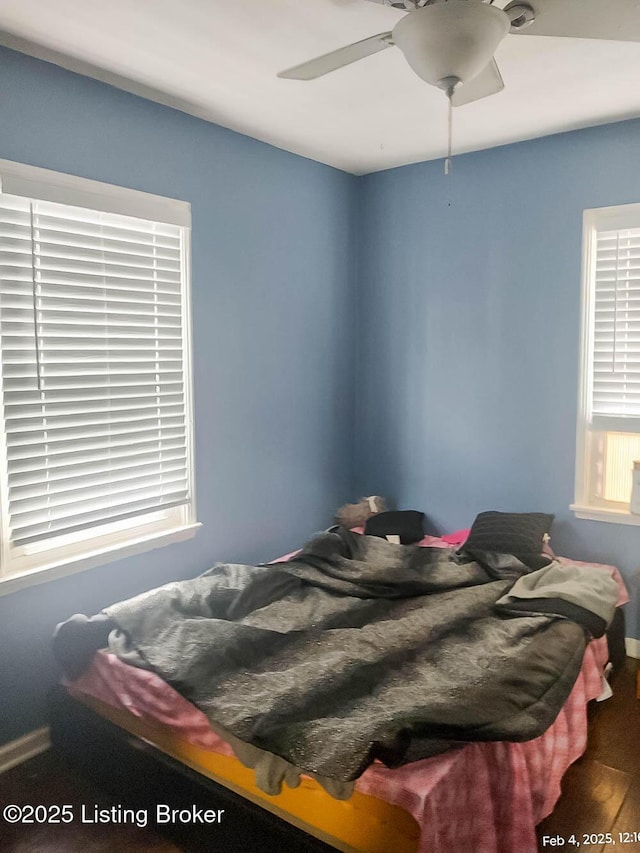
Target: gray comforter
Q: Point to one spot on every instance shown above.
(358, 649)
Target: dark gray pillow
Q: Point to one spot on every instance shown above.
(518, 533)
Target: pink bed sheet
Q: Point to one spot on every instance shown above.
(482, 798)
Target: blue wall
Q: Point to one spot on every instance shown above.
(459, 296)
(272, 288)
(468, 351)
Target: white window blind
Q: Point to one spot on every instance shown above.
(616, 329)
(608, 428)
(93, 361)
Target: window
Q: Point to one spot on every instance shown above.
(95, 446)
(609, 410)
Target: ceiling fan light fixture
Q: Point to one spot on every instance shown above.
(453, 39)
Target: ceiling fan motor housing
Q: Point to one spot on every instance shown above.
(454, 39)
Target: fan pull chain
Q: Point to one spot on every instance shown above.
(447, 162)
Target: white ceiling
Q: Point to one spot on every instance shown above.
(218, 59)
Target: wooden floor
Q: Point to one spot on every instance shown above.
(601, 793)
(43, 781)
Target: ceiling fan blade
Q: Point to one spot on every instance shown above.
(488, 82)
(617, 20)
(338, 58)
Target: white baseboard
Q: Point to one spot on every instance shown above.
(17, 751)
(633, 647)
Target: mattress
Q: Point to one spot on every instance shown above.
(485, 797)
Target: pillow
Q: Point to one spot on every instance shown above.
(408, 524)
(519, 533)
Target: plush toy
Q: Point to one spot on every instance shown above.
(356, 515)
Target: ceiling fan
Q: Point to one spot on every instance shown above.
(451, 43)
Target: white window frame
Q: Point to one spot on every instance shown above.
(39, 562)
(594, 220)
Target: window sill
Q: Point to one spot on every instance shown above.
(615, 516)
(99, 557)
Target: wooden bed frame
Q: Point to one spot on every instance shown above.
(139, 775)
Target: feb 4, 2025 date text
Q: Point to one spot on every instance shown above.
(587, 839)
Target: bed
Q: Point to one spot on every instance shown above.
(485, 797)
